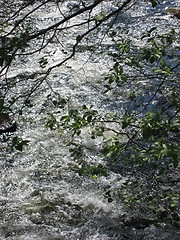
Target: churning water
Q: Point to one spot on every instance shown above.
(42, 195)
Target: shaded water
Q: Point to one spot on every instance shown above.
(42, 196)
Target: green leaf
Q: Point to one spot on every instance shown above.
(147, 131)
(126, 120)
(64, 117)
(15, 140)
(89, 118)
(175, 162)
(84, 107)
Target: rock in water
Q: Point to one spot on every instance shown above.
(12, 128)
(174, 11)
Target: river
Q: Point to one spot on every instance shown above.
(42, 194)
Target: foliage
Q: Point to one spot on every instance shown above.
(93, 171)
(149, 197)
(146, 137)
(17, 143)
(135, 139)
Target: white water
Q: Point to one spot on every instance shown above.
(41, 194)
